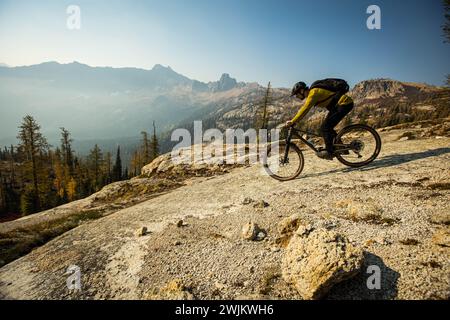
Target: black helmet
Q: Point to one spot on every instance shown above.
(298, 86)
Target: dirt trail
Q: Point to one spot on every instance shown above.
(117, 264)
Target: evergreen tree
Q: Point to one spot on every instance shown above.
(108, 168)
(33, 145)
(117, 169)
(66, 149)
(28, 204)
(81, 175)
(154, 144)
(95, 161)
(262, 114)
(11, 165)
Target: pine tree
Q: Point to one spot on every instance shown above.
(95, 161)
(66, 148)
(28, 201)
(262, 115)
(117, 169)
(81, 175)
(154, 144)
(11, 165)
(33, 144)
(107, 168)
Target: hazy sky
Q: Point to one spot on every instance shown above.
(253, 40)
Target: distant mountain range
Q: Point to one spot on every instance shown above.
(113, 105)
(371, 98)
(104, 102)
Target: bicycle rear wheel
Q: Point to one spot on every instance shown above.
(277, 168)
(357, 145)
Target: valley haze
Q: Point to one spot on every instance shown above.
(101, 102)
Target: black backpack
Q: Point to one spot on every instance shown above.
(335, 85)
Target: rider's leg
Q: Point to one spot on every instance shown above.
(333, 118)
(327, 130)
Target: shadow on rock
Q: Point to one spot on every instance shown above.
(387, 161)
(393, 160)
(357, 288)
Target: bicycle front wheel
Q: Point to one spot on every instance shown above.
(284, 169)
(357, 145)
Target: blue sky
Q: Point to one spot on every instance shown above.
(253, 40)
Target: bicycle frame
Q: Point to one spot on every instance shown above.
(293, 132)
(297, 133)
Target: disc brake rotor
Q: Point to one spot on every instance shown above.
(357, 146)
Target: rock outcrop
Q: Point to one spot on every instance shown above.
(251, 231)
(141, 232)
(224, 84)
(317, 259)
(199, 160)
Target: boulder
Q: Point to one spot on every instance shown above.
(141, 231)
(154, 165)
(317, 259)
(250, 231)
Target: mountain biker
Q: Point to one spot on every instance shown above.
(338, 105)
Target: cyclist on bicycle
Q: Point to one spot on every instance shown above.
(337, 102)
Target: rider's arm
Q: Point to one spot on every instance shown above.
(310, 101)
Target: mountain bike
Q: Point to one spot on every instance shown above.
(355, 146)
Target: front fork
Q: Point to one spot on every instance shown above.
(286, 150)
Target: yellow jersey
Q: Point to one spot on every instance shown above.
(320, 98)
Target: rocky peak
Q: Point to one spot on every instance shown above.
(159, 67)
(224, 84)
(378, 88)
(388, 88)
(161, 70)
